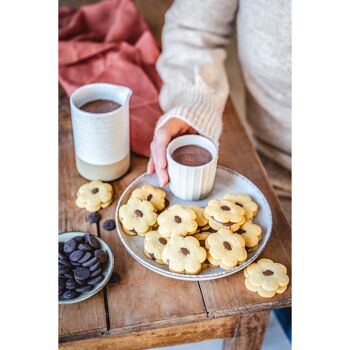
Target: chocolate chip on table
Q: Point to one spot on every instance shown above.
(96, 272)
(82, 289)
(94, 217)
(90, 262)
(85, 247)
(109, 225)
(82, 273)
(70, 246)
(76, 255)
(70, 294)
(101, 255)
(114, 279)
(95, 280)
(95, 266)
(85, 257)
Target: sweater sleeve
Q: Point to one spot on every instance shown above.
(191, 65)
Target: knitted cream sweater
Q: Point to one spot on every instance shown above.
(192, 67)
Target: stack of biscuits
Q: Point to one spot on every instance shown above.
(190, 238)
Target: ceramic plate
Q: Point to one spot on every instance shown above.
(107, 270)
(226, 181)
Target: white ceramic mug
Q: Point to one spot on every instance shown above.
(101, 140)
(191, 182)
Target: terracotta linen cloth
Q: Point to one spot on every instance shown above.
(110, 42)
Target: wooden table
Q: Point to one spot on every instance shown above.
(148, 310)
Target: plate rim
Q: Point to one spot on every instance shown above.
(103, 282)
(188, 277)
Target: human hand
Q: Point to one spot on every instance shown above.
(157, 163)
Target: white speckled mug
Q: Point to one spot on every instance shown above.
(191, 182)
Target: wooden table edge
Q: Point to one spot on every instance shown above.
(140, 327)
(268, 306)
(222, 327)
(161, 324)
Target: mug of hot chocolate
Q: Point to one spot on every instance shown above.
(192, 161)
(100, 122)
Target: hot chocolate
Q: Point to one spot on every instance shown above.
(100, 106)
(192, 155)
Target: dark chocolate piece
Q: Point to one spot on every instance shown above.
(109, 225)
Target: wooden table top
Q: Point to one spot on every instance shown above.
(145, 300)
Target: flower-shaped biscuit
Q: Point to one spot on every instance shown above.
(250, 207)
(266, 277)
(251, 234)
(225, 248)
(94, 195)
(149, 193)
(154, 245)
(224, 214)
(202, 221)
(137, 215)
(177, 220)
(184, 255)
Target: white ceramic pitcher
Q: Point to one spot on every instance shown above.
(101, 140)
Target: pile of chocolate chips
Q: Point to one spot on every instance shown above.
(80, 265)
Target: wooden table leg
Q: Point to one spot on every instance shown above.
(250, 332)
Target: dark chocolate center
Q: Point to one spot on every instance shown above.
(239, 204)
(268, 273)
(225, 208)
(94, 190)
(138, 213)
(162, 240)
(185, 251)
(177, 219)
(227, 245)
(149, 197)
